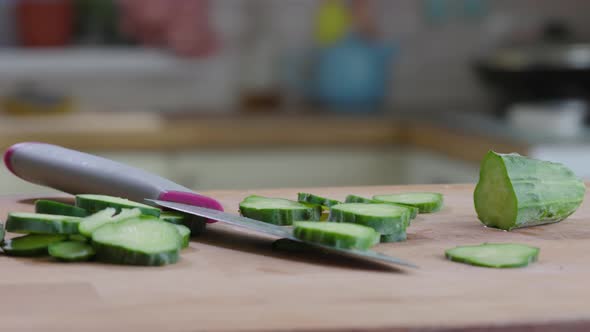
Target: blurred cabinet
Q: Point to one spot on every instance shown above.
(427, 167)
(293, 167)
(288, 168)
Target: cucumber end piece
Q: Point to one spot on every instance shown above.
(494, 197)
(515, 191)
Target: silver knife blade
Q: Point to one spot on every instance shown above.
(279, 231)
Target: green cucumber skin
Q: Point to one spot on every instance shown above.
(359, 199)
(9, 246)
(393, 237)
(413, 210)
(281, 216)
(120, 255)
(51, 207)
(515, 191)
(393, 225)
(93, 206)
(68, 225)
(314, 199)
(185, 234)
(2, 233)
(84, 251)
(33, 252)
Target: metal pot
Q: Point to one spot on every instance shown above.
(539, 73)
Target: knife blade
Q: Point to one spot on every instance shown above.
(274, 230)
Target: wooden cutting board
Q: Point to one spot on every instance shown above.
(231, 280)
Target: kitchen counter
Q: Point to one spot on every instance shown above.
(151, 131)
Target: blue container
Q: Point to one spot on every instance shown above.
(352, 74)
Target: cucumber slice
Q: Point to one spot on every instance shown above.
(77, 237)
(52, 207)
(339, 235)
(514, 191)
(1, 233)
(106, 216)
(37, 223)
(71, 251)
(384, 218)
(137, 242)
(185, 234)
(393, 237)
(95, 203)
(277, 211)
(322, 211)
(30, 245)
(195, 224)
(314, 199)
(498, 255)
(358, 199)
(425, 202)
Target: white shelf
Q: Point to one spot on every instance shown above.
(129, 78)
(18, 63)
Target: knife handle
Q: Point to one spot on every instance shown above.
(76, 172)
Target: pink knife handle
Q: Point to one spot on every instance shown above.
(76, 172)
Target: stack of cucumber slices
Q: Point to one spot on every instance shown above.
(357, 223)
(108, 229)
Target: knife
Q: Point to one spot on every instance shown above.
(279, 231)
(76, 172)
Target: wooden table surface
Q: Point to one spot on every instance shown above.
(230, 280)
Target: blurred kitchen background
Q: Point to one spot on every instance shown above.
(229, 94)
